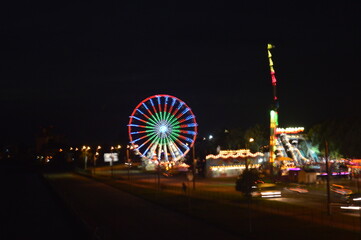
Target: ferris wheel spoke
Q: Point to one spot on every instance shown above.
(142, 113)
(142, 120)
(148, 134)
(165, 152)
(154, 148)
(186, 119)
(172, 105)
(160, 149)
(155, 114)
(139, 126)
(176, 150)
(170, 118)
(139, 132)
(182, 113)
(159, 105)
(150, 145)
(149, 139)
(177, 108)
(176, 138)
(146, 116)
(170, 146)
(165, 106)
(188, 132)
(185, 138)
(150, 112)
(188, 125)
(138, 139)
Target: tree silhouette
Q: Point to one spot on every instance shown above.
(246, 180)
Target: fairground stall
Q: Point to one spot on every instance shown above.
(231, 163)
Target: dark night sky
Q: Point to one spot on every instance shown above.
(83, 66)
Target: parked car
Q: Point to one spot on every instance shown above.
(298, 188)
(267, 190)
(354, 198)
(339, 189)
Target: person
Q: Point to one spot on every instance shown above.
(184, 187)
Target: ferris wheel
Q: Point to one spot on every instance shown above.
(163, 128)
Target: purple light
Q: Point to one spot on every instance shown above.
(295, 169)
(334, 173)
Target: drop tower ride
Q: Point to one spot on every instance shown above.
(273, 110)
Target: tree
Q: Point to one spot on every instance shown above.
(342, 135)
(260, 134)
(246, 180)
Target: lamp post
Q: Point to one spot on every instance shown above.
(96, 155)
(111, 161)
(250, 140)
(327, 180)
(85, 149)
(128, 161)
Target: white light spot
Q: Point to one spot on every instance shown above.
(163, 129)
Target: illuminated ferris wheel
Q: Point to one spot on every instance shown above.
(162, 128)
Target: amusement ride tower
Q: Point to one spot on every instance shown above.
(274, 109)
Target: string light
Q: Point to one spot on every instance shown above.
(240, 153)
(290, 130)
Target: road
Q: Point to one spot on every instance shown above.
(316, 198)
(112, 214)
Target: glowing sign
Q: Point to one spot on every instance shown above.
(240, 153)
(289, 130)
(110, 157)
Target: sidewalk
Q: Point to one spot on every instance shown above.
(30, 210)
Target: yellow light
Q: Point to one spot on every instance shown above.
(242, 153)
(290, 130)
(270, 46)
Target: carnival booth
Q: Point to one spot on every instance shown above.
(231, 163)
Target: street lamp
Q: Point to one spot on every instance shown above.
(250, 140)
(128, 160)
(85, 149)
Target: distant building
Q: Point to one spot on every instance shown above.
(307, 176)
(231, 163)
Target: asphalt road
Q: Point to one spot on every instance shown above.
(112, 214)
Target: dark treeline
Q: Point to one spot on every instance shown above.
(343, 136)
